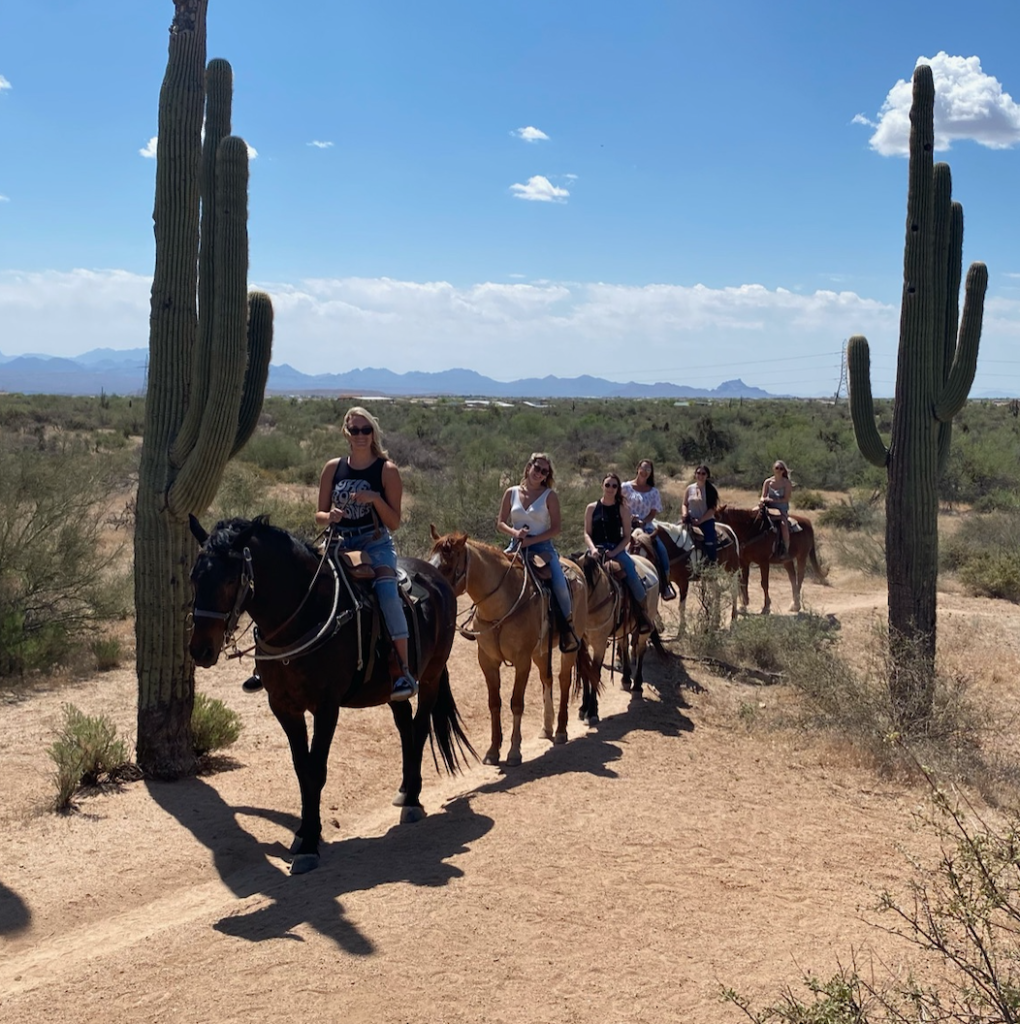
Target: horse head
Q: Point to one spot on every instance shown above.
(221, 580)
(449, 555)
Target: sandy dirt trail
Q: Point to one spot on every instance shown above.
(625, 876)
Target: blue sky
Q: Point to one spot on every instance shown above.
(656, 191)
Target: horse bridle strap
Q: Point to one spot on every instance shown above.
(245, 589)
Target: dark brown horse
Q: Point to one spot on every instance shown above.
(326, 652)
(758, 538)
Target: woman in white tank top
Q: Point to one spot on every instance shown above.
(530, 516)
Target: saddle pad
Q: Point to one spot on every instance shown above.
(775, 515)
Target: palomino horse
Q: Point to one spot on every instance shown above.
(611, 617)
(326, 653)
(757, 545)
(511, 624)
(685, 560)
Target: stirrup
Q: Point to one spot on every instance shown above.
(569, 640)
(668, 593)
(404, 688)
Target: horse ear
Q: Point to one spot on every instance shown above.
(196, 529)
(432, 530)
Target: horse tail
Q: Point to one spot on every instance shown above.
(584, 672)
(823, 576)
(447, 729)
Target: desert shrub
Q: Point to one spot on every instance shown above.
(1000, 500)
(86, 752)
(986, 555)
(810, 501)
(272, 450)
(863, 550)
(246, 492)
(55, 579)
(709, 602)
(214, 726)
(107, 652)
(852, 514)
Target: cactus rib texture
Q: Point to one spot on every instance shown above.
(209, 350)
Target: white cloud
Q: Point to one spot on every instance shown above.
(5, 199)
(320, 145)
(4, 84)
(969, 104)
(530, 134)
(149, 152)
(540, 189)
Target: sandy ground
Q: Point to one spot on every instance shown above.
(624, 876)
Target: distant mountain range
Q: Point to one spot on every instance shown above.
(122, 372)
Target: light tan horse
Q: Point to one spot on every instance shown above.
(511, 624)
(611, 616)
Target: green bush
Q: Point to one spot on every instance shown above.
(55, 579)
(985, 554)
(849, 515)
(214, 726)
(107, 652)
(810, 501)
(86, 753)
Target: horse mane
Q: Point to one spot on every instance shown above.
(589, 566)
(225, 533)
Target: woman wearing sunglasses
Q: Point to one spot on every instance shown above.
(359, 498)
(645, 504)
(530, 516)
(607, 534)
(700, 502)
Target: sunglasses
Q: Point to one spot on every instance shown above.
(701, 472)
(611, 484)
(544, 470)
(355, 431)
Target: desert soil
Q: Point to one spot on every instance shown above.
(625, 876)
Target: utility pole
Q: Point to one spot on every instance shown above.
(841, 387)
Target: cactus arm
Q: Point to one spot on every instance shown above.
(862, 406)
(260, 343)
(219, 86)
(961, 375)
(200, 475)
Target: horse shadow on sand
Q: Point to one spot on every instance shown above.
(417, 854)
(14, 913)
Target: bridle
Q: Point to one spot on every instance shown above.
(245, 589)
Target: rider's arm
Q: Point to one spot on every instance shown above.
(503, 524)
(625, 543)
(387, 507)
(589, 515)
(325, 513)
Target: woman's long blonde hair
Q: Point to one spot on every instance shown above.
(377, 446)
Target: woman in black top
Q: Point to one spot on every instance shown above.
(607, 534)
(360, 497)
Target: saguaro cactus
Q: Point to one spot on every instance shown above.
(209, 348)
(935, 370)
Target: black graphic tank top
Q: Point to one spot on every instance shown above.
(346, 482)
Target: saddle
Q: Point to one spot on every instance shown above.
(773, 517)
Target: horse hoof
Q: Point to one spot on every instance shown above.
(409, 815)
(303, 863)
(295, 844)
(400, 799)
(560, 738)
(513, 760)
(593, 720)
(545, 734)
(490, 759)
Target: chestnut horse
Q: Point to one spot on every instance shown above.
(611, 617)
(511, 623)
(326, 653)
(757, 544)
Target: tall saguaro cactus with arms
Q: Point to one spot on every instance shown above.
(935, 370)
(209, 348)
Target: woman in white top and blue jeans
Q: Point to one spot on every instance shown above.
(644, 503)
(530, 516)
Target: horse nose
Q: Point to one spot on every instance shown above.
(203, 653)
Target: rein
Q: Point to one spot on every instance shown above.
(526, 576)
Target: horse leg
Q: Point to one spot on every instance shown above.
(625, 682)
(764, 567)
(521, 671)
(310, 767)
(795, 569)
(402, 718)
(637, 650)
(490, 669)
(567, 662)
(745, 574)
(547, 698)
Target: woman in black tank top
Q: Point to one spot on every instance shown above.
(360, 497)
(607, 534)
